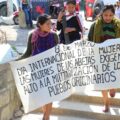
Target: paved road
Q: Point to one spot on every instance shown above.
(15, 35)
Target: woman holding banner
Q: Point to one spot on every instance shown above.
(40, 40)
(105, 27)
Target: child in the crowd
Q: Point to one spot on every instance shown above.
(107, 26)
(40, 40)
(74, 27)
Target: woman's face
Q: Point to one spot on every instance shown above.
(107, 16)
(70, 8)
(46, 27)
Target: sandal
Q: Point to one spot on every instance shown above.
(106, 110)
(112, 92)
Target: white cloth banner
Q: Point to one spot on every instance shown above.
(59, 72)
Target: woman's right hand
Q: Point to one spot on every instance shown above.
(61, 14)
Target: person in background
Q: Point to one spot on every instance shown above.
(77, 6)
(97, 10)
(40, 40)
(117, 9)
(26, 6)
(54, 8)
(74, 27)
(107, 26)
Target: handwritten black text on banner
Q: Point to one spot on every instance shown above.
(57, 73)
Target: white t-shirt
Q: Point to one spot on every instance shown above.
(117, 12)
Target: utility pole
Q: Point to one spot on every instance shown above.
(64, 23)
(9, 7)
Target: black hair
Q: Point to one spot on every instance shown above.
(42, 19)
(109, 7)
(71, 2)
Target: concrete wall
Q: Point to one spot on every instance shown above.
(9, 98)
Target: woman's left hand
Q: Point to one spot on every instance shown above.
(69, 29)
